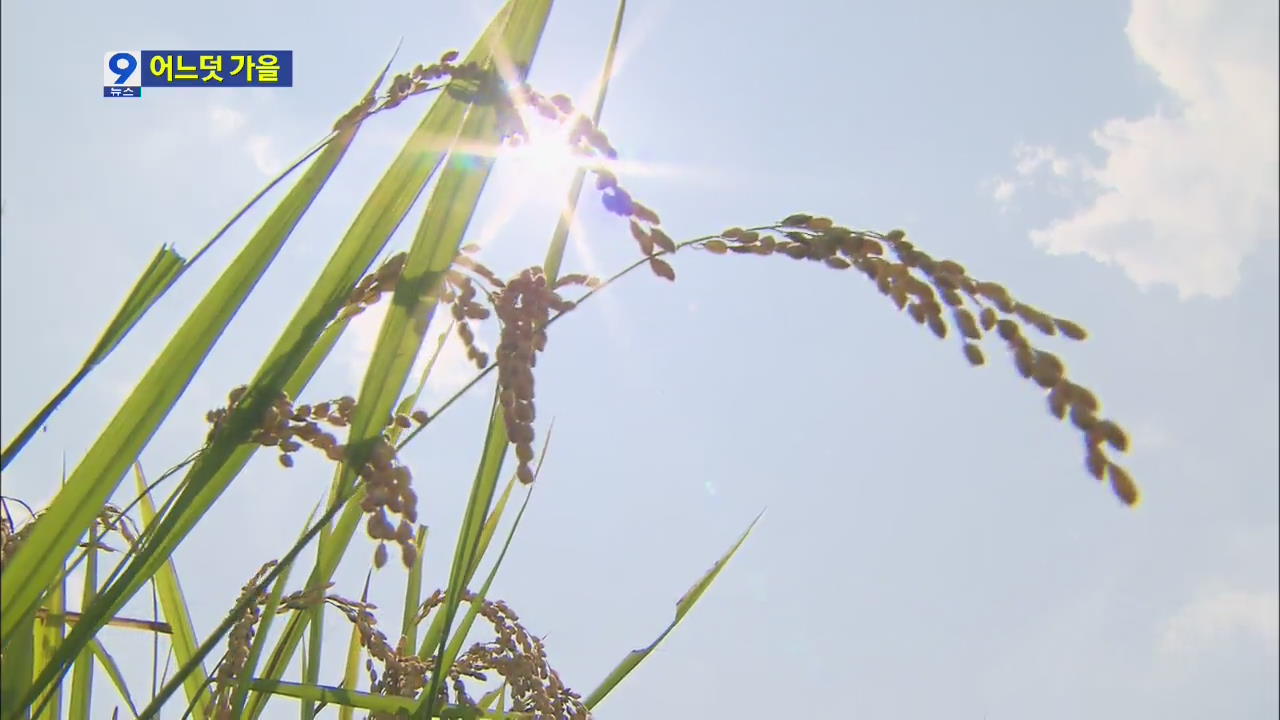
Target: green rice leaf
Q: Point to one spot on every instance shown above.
(311, 654)
(490, 527)
(683, 606)
(497, 695)
(355, 650)
(560, 236)
(411, 400)
(413, 592)
(109, 664)
(373, 703)
(434, 631)
(174, 608)
(477, 602)
(49, 629)
(315, 644)
(467, 549)
(164, 269)
(158, 277)
(19, 662)
(82, 676)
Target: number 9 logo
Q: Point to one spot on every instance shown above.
(123, 65)
(120, 67)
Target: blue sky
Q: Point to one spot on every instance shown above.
(932, 545)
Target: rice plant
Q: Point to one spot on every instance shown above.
(428, 669)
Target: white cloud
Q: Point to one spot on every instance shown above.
(229, 125)
(224, 121)
(1033, 157)
(1030, 160)
(262, 150)
(1184, 194)
(1003, 191)
(1217, 616)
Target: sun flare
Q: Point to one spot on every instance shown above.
(543, 156)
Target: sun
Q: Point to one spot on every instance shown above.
(536, 172)
(543, 157)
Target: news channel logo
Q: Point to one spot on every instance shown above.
(126, 72)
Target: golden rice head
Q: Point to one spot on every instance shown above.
(523, 308)
(240, 638)
(520, 658)
(1123, 485)
(388, 491)
(994, 310)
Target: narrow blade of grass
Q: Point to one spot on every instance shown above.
(109, 664)
(413, 592)
(155, 280)
(241, 692)
(436, 628)
(560, 236)
(464, 627)
(373, 703)
(311, 669)
(407, 405)
(15, 673)
(174, 608)
(355, 650)
(82, 675)
(159, 277)
(497, 695)
(683, 606)
(49, 632)
(466, 550)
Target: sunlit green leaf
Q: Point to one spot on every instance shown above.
(174, 608)
(683, 605)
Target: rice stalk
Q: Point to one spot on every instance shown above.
(484, 101)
